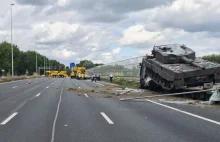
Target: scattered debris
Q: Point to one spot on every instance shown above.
(70, 88)
(108, 96)
(215, 97)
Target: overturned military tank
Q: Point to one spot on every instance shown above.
(175, 67)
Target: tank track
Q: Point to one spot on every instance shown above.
(157, 79)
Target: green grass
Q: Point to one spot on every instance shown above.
(124, 83)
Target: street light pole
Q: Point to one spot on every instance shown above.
(49, 64)
(36, 63)
(36, 59)
(12, 58)
(44, 64)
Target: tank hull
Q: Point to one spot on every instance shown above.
(178, 76)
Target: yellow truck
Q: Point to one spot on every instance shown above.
(73, 73)
(80, 74)
(47, 73)
(62, 74)
(53, 73)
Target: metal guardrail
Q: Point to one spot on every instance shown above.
(128, 69)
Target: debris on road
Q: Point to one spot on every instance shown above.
(117, 92)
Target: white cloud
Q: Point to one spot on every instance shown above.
(74, 30)
(190, 15)
(137, 35)
(116, 51)
(201, 42)
(55, 32)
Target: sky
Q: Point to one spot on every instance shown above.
(105, 31)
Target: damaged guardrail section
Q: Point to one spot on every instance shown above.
(215, 97)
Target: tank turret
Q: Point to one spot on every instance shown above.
(172, 53)
(190, 61)
(175, 53)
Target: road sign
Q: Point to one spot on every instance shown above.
(72, 65)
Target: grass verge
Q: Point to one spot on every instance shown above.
(124, 83)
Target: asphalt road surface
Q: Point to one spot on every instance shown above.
(45, 111)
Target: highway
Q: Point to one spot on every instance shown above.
(45, 111)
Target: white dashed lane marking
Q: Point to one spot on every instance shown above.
(106, 118)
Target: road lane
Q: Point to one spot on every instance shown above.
(15, 101)
(35, 119)
(81, 118)
(78, 121)
(6, 92)
(147, 122)
(211, 112)
(144, 121)
(83, 84)
(10, 88)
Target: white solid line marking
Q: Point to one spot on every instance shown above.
(9, 118)
(188, 113)
(55, 119)
(106, 118)
(15, 87)
(47, 87)
(38, 95)
(86, 95)
(100, 84)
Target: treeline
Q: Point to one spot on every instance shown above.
(212, 58)
(87, 64)
(23, 61)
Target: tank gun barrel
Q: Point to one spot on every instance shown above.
(189, 61)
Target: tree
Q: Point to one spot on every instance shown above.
(87, 64)
(22, 60)
(212, 58)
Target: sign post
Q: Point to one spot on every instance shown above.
(72, 65)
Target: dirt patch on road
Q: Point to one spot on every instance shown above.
(118, 92)
(109, 91)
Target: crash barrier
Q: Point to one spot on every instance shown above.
(128, 69)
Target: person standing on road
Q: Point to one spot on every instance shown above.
(99, 77)
(111, 77)
(93, 78)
